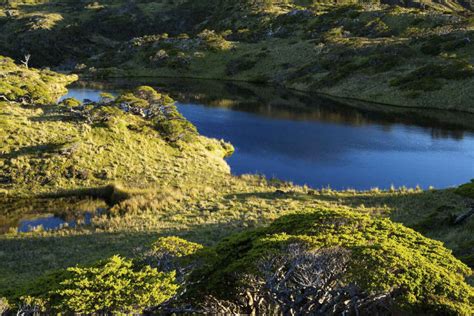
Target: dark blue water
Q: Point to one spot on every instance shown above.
(336, 155)
(323, 146)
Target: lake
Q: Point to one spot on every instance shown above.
(313, 140)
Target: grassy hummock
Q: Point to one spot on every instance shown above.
(20, 84)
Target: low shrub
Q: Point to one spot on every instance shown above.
(417, 274)
(70, 102)
(114, 286)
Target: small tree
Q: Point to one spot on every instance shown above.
(301, 282)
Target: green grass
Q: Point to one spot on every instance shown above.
(206, 214)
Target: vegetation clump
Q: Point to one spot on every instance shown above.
(114, 286)
(427, 78)
(424, 277)
(20, 84)
(466, 190)
(171, 254)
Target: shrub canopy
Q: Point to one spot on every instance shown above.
(386, 257)
(115, 286)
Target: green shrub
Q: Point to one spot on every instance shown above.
(70, 102)
(215, 41)
(175, 246)
(141, 96)
(115, 286)
(172, 254)
(106, 97)
(419, 274)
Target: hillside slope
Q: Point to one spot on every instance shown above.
(406, 54)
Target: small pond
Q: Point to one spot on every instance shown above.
(25, 215)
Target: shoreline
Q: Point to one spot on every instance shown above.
(333, 97)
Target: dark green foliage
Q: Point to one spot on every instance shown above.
(427, 78)
(466, 190)
(438, 44)
(239, 65)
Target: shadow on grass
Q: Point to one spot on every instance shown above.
(271, 195)
(36, 150)
(24, 258)
(54, 118)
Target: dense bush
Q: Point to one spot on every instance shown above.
(114, 286)
(70, 102)
(170, 254)
(214, 41)
(175, 246)
(418, 274)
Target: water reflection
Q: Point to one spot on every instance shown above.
(52, 222)
(279, 103)
(24, 215)
(312, 140)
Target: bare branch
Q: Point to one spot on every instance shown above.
(26, 60)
